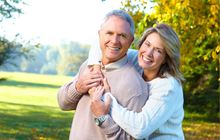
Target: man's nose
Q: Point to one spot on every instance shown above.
(115, 39)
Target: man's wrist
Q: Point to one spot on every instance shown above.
(77, 88)
(99, 120)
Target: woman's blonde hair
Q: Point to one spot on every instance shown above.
(172, 46)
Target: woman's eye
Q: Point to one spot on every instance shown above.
(159, 51)
(147, 44)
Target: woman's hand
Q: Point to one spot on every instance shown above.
(100, 108)
(95, 93)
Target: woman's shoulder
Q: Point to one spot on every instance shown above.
(169, 82)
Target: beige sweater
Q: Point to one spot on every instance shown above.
(127, 86)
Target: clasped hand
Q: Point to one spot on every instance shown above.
(98, 106)
(88, 79)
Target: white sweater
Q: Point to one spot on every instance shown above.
(160, 118)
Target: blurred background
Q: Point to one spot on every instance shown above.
(43, 43)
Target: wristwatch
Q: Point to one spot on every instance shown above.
(100, 120)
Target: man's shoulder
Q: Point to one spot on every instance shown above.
(128, 74)
(129, 67)
(83, 65)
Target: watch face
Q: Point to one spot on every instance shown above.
(100, 120)
(97, 121)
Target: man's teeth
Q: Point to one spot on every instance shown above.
(114, 49)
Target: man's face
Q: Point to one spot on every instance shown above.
(115, 39)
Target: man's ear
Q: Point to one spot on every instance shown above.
(132, 38)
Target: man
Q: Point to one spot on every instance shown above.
(115, 37)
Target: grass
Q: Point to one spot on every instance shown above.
(29, 110)
(199, 127)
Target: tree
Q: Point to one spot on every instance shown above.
(71, 56)
(8, 8)
(9, 49)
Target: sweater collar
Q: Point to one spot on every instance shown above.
(115, 65)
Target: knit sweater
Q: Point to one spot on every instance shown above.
(127, 87)
(160, 118)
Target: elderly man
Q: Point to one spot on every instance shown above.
(115, 37)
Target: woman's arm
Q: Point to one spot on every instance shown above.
(95, 56)
(158, 109)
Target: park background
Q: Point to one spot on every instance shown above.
(31, 71)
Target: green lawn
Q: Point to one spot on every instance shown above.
(29, 110)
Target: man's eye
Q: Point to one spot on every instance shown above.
(124, 36)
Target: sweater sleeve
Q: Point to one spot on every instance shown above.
(157, 110)
(67, 96)
(111, 129)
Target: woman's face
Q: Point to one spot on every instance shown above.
(151, 53)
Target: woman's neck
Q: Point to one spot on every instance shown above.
(149, 75)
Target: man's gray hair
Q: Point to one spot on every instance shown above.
(122, 14)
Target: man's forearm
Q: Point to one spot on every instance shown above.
(68, 97)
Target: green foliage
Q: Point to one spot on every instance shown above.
(72, 55)
(8, 8)
(197, 24)
(63, 59)
(8, 50)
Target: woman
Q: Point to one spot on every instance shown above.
(162, 115)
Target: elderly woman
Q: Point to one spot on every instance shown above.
(162, 115)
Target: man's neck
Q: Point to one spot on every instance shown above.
(106, 62)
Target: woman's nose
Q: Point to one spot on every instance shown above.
(150, 51)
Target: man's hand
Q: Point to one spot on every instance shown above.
(87, 80)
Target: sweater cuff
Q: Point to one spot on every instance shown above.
(109, 126)
(72, 93)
